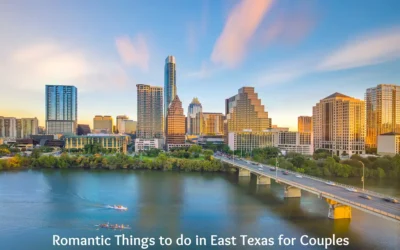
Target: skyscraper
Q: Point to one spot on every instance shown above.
(304, 124)
(61, 109)
(149, 112)
(102, 124)
(383, 112)
(27, 127)
(175, 127)
(169, 82)
(339, 125)
(212, 124)
(244, 111)
(8, 127)
(194, 117)
(120, 123)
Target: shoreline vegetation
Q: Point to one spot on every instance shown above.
(198, 159)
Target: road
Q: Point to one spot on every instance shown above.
(319, 187)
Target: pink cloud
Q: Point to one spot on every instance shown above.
(242, 22)
(369, 49)
(134, 52)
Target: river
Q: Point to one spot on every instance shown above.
(37, 204)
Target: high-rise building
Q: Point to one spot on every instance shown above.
(61, 109)
(27, 127)
(339, 125)
(383, 112)
(120, 123)
(244, 112)
(149, 112)
(194, 117)
(175, 123)
(304, 124)
(83, 129)
(128, 127)
(8, 127)
(169, 82)
(102, 124)
(212, 124)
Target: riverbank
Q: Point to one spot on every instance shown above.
(111, 162)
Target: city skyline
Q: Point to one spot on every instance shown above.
(283, 51)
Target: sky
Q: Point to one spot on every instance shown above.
(293, 52)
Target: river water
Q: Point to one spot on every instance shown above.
(35, 205)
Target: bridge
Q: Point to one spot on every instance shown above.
(339, 197)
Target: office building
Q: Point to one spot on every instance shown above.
(146, 144)
(210, 139)
(304, 124)
(83, 129)
(246, 141)
(175, 126)
(103, 124)
(107, 141)
(339, 125)
(286, 141)
(244, 111)
(120, 123)
(128, 127)
(383, 112)
(169, 82)
(212, 123)
(194, 117)
(61, 109)
(296, 142)
(149, 112)
(27, 127)
(8, 127)
(388, 144)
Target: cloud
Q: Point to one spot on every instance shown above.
(134, 52)
(32, 66)
(242, 22)
(369, 49)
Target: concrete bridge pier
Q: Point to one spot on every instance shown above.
(338, 210)
(263, 180)
(244, 172)
(292, 192)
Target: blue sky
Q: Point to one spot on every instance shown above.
(293, 52)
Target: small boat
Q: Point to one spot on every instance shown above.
(299, 176)
(330, 183)
(120, 207)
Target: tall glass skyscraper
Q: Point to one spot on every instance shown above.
(383, 112)
(61, 109)
(169, 82)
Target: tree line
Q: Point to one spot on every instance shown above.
(156, 160)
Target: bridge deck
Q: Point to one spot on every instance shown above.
(376, 205)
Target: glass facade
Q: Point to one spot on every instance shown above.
(169, 82)
(61, 109)
(149, 112)
(212, 124)
(175, 123)
(244, 111)
(194, 117)
(304, 124)
(383, 112)
(339, 125)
